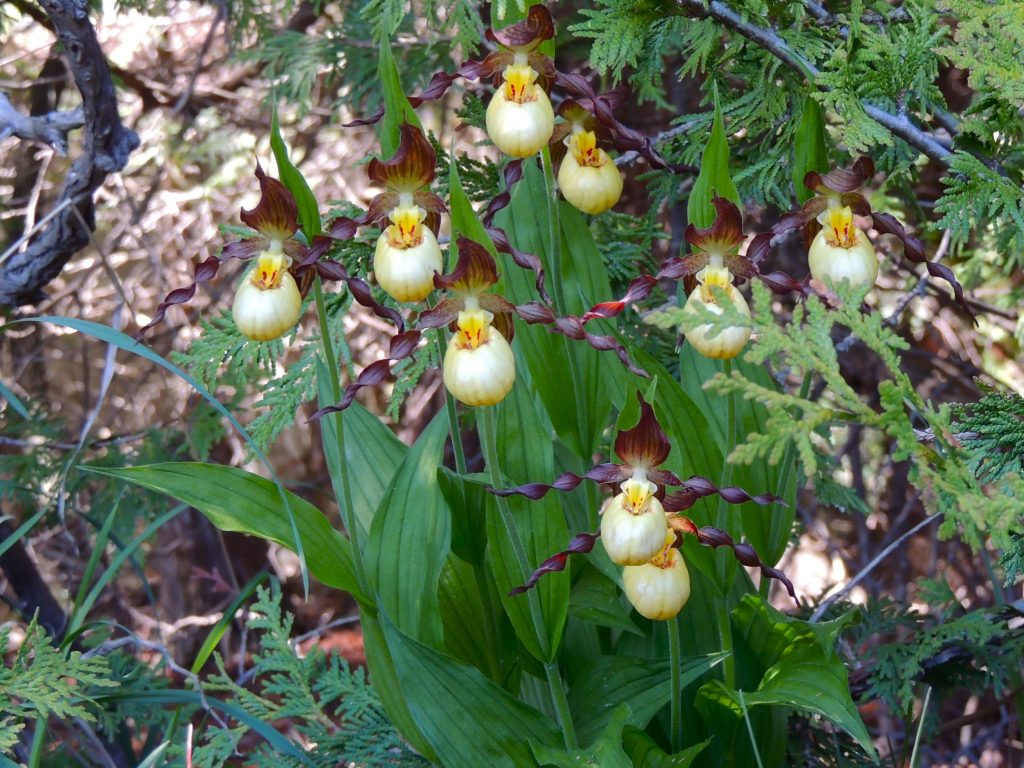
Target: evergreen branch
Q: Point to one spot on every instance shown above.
(898, 124)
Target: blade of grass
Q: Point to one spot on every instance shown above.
(14, 402)
(24, 528)
(82, 610)
(97, 549)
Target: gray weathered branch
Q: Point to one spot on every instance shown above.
(51, 129)
(24, 272)
(898, 125)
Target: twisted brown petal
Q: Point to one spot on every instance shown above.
(520, 258)
(572, 328)
(580, 544)
(678, 267)
(204, 271)
(746, 554)
(411, 167)
(276, 215)
(781, 283)
(697, 487)
(535, 312)
(513, 172)
(441, 315)
(606, 474)
(639, 289)
(402, 345)
(913, 249)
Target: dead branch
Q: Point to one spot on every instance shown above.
(51, 130)
(24, 272)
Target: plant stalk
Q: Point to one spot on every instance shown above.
(346, 504)
(722, 515)
(722, 522)
(555, 254)
(920, 727)
(675, 704)
(453, 416)
(486, 423)
(558, 295)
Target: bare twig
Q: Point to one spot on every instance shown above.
(51, 130)
(820, 610)
(90, 419)
(133, 437)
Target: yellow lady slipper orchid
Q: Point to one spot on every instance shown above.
(730, 341)
(268, 302)
(841, 251)
(479, 368)
(407, 255)
(520, 119)
(588, 177)
(660, 588)
(633, 524)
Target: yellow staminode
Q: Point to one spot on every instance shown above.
(637, 493)
(713, 277)
(839, 229)
(664, 558)
(520, 82)
(583, 146)
(406, 230)
(474, 328)
(270, 270)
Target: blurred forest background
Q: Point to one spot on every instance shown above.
(197, 83)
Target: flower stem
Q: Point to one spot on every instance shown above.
(555, 252)
(486, 423)
(722, 522)
(722, 516)
(785, 475)
(346, 504)
(675, 704)
(558, 288)
(453, 416)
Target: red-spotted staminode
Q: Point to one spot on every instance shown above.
(640, 527)
(479, 368)
(587, 176)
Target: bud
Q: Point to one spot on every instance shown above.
(588, 177)
(267, 303)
